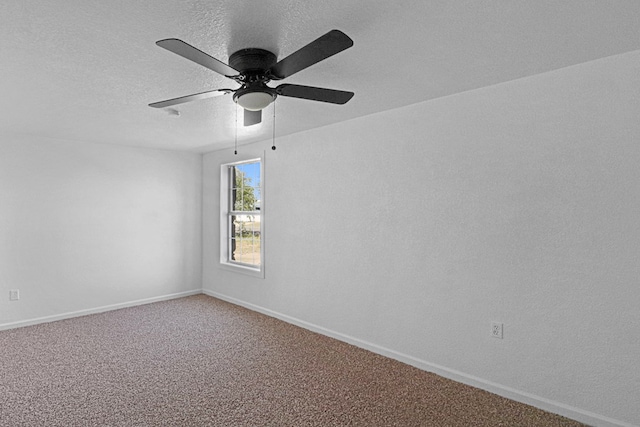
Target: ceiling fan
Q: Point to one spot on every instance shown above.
(253, 68)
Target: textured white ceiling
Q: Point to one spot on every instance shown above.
(86, 69)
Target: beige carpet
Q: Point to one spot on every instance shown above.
(198, 361)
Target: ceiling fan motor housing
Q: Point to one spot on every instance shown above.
(252, 61)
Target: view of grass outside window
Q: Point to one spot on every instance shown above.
(244, 215)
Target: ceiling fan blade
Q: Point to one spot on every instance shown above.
(315, 93)
(189, 98)
(196, 55)
(252, 117)
(328, 45)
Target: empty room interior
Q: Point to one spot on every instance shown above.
(448, 189)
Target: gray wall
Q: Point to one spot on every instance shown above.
(84, 226)
(410, 231)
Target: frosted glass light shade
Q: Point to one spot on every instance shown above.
(254, 101)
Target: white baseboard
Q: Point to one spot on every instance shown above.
(568, 411)
(95, 310)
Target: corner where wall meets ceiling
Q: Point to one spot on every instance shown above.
(85, 71)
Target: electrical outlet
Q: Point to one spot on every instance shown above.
(496, 330)
(14, 295)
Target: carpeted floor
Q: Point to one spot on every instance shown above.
(199, 361)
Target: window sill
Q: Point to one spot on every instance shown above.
(254, 272)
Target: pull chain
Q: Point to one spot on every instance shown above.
(273, 141)
(236, 144)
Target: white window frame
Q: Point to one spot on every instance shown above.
(225, 228)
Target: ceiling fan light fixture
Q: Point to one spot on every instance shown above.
(255, 100)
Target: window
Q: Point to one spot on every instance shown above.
(241, 221)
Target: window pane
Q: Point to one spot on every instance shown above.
(245, 239)
(245, 192)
